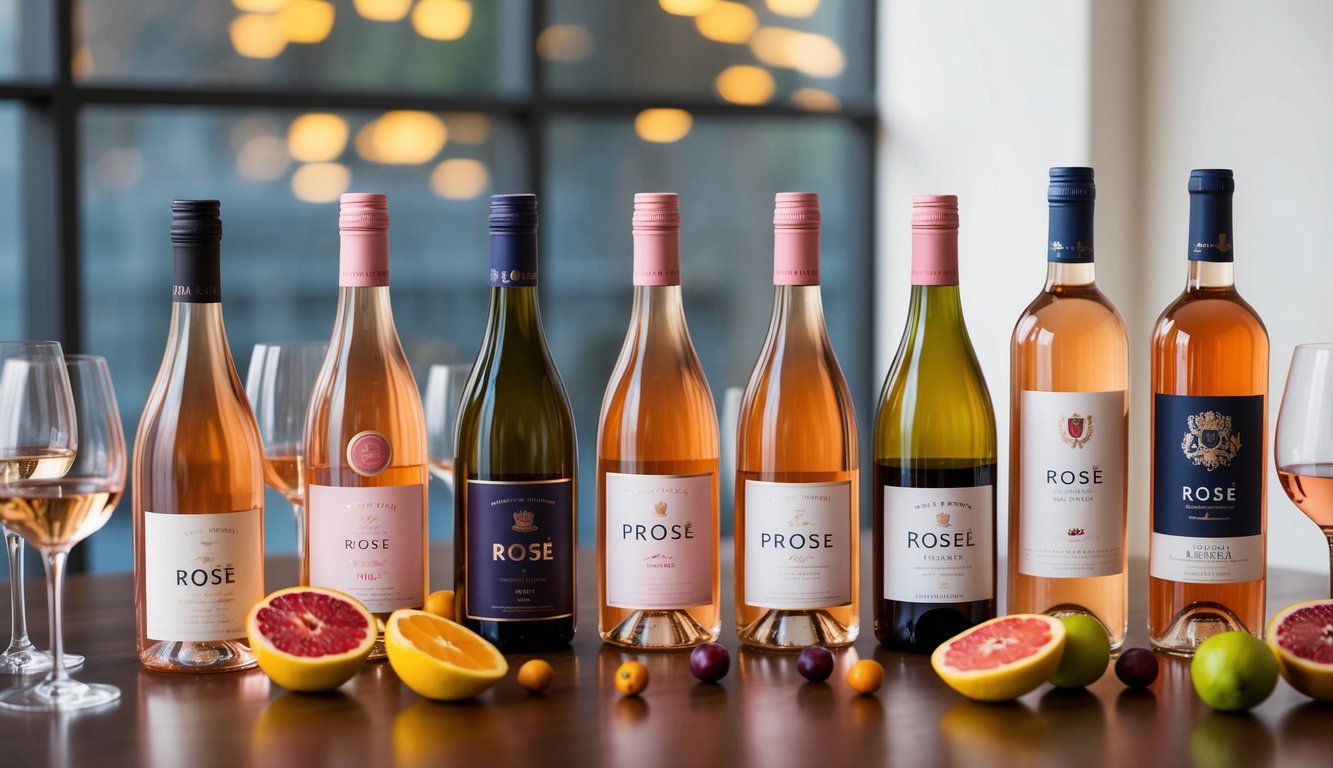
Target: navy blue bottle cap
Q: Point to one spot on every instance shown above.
(1212, 180)
(1071, 185)
(515, 214)
(195, 221)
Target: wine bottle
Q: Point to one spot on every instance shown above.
(517, 465)
(657, 463)
(1209, 442)
(934, 490)
(797, 472)
(365, 474)
(198, 493)
(1068, 474)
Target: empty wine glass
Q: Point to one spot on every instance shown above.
(279, 384)
(1303, 449)
(444, 393)
(54, 514)
(37, 440)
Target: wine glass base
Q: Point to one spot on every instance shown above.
(61, 696)
(34, 662)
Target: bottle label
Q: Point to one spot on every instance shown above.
(367, 542)
(202, 574)
(520, 550)
(939, 546)
(798, 541)
(513, 260)
(369, 453)
(363, 258)
(1072, 492)
(1208, 471)
(659, 540)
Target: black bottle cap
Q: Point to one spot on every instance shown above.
(195, 221)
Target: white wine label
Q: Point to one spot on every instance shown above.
(1221, 560)
(659, 540)
(202, 574)
(798, 540)
(367, 542)
(939, 544)
(1072, 489)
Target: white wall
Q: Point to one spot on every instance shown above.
(980, 98)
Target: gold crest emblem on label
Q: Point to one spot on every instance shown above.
(1209, 443)
(1076, 430)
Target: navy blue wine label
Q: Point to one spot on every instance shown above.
(196, 276)
(1210, 215)
(513, 259)
(520, 550)
(1208, 469)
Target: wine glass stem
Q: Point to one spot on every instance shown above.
(299, 509)
(18, 640)
(55, 596)
(1329, 535)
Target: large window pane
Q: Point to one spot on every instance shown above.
(805, 52)
(280, 243)
(726, 171)
(441, 46)
(25, 39)
(11, 265)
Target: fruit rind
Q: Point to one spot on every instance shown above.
(1010, 680)
(305, 673)
(1082, 656)
(417, 668)
(1305, 675)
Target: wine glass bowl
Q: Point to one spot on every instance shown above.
(55, 513)
(444, 394)
(1303, 448)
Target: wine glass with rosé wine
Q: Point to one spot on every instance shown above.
(54, 514)
(1303, 448)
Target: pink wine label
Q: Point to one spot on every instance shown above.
(657, 258)
(369, 453)
(935, 257)
(363, 260)
(798, 544)
(367, 542)
(796, 257)
(659, 540)
(202, 573)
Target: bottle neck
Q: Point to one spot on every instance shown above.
(1069, 245)
(196, 276)
(934, 258)
(1063, 273)
(796, 257)
(657, 307)
(656, 259)
(1204, 275)
(798, 313)
(363, 258)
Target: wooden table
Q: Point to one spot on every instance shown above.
(762, 714)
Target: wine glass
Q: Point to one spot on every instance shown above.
(444, 393)
(37, 440)
(1303, 448)
(54, 514)
(279, 384)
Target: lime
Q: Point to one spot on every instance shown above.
(1233, 671)
(1087, 652)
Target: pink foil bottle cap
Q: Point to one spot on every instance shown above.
(363, 212)
(796, 211)
(656, 212)
(935, 212)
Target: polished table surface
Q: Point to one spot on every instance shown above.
(763, 712)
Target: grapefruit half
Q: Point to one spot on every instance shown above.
(310, 638)
(1003, 658)
(1301, 635)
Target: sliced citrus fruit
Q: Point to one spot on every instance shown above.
(310, 638)
(1302, 637)
(440, 659)
(1003, 658)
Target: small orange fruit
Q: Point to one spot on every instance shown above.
(631, 678)
(440, 603)
(535, 675)
(865, 676)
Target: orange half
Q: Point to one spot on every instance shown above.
(440, 659)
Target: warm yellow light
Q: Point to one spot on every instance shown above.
(320, 182)
(459, 179)
(807, 53)
(801, 9)
(663, 126)
(743, 84)
(317, 137)
(307, 21)
(402, 138)
(262, 159)
(564, 42)
(383, 10)
(815, 100)
(442, 19)
(259, 6)
(727, 22)
(686, 7)
(469, 128)
(82, 64)
(257, 35)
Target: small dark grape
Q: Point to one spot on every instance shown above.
(709, 662)
(815, 663)
(1136, 668)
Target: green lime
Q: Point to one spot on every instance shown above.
(1087, 652)
(1233, 671)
